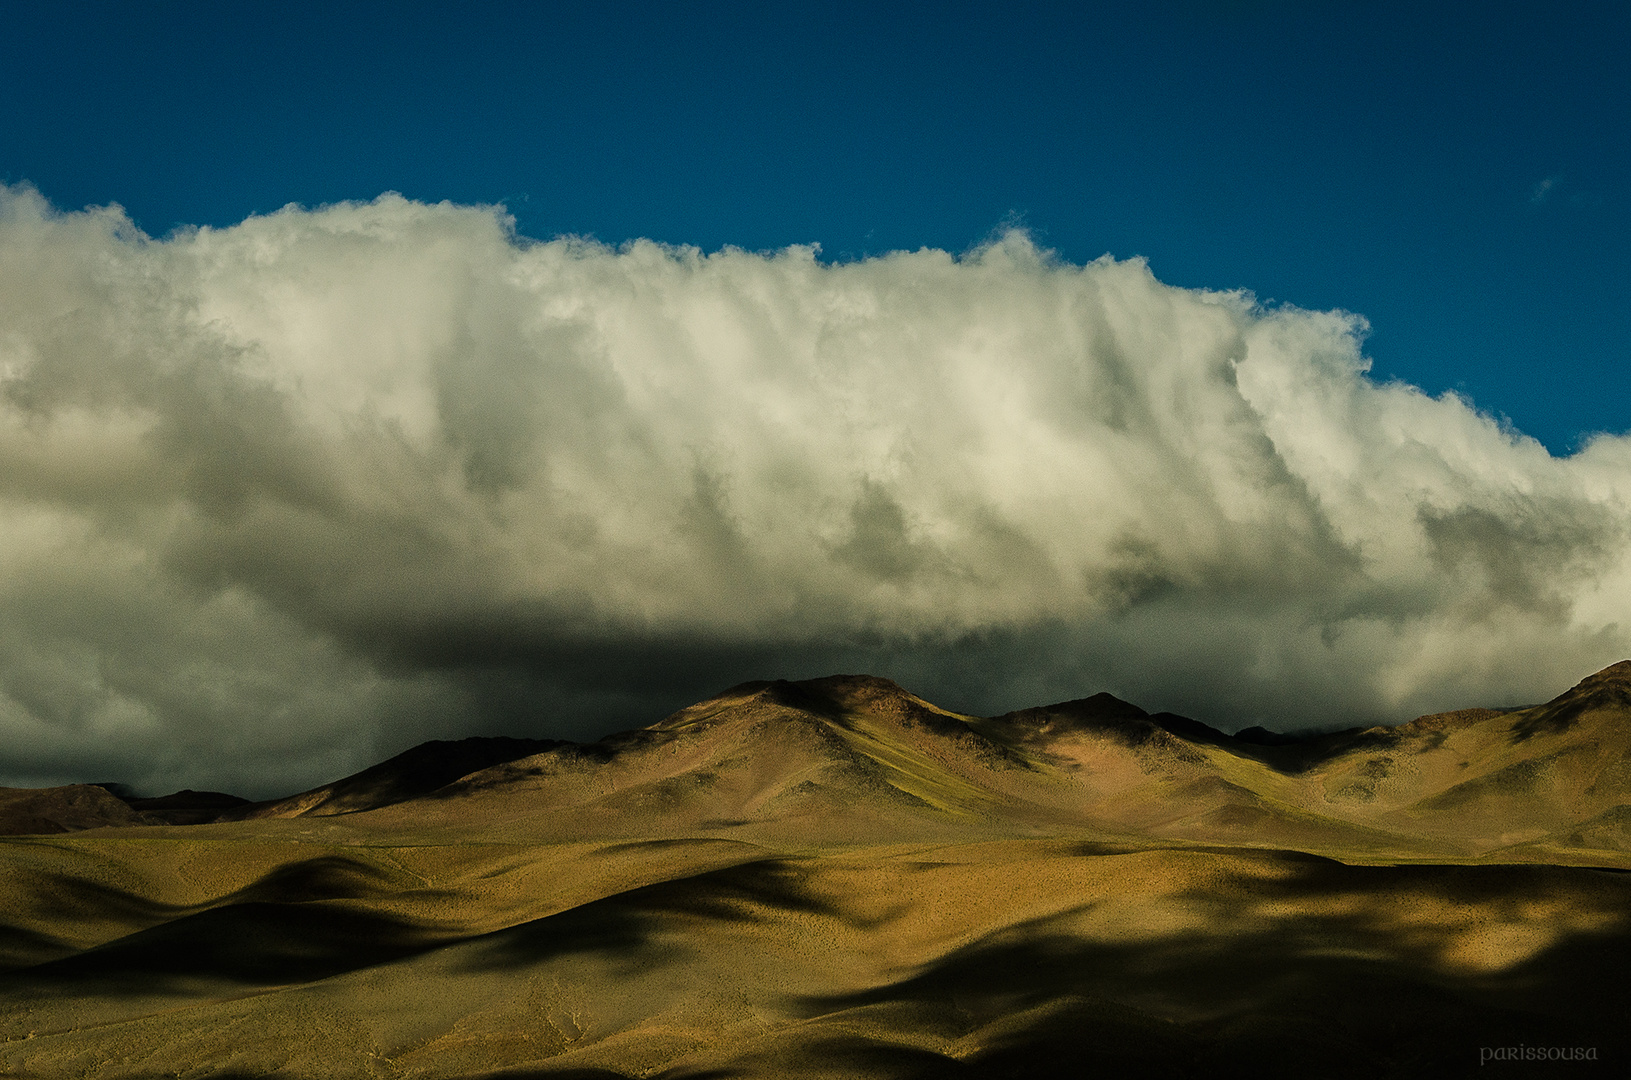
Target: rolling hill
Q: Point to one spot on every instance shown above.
(837, 878)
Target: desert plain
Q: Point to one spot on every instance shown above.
(836, 878)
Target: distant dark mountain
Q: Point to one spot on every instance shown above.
(410, 774)
(1262, 736)
(26, 811)
(187, 807)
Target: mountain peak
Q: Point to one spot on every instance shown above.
(1613, 682)
(1610, 688)
(1614, 674)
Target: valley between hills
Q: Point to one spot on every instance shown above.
(836, 878)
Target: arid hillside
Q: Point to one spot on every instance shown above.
(852, 756)
(835, 878)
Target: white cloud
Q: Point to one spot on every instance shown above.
(313, 487)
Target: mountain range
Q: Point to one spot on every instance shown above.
(835, 877)
(1546, 783)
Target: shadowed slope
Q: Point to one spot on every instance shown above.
(1007, 958)
(25, 811)
(414, 772)
(188, 807)
(835, 878)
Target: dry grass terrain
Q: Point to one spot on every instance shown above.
(835, 878)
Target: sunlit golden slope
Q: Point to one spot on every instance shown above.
(263, 951)
(857, 756)
(835, 878)
(1555, 777)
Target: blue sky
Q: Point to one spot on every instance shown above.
(1457, 173)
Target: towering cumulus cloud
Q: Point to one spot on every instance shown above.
(278, 498)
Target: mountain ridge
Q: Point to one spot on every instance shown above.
(861, 752)
(837, 878)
